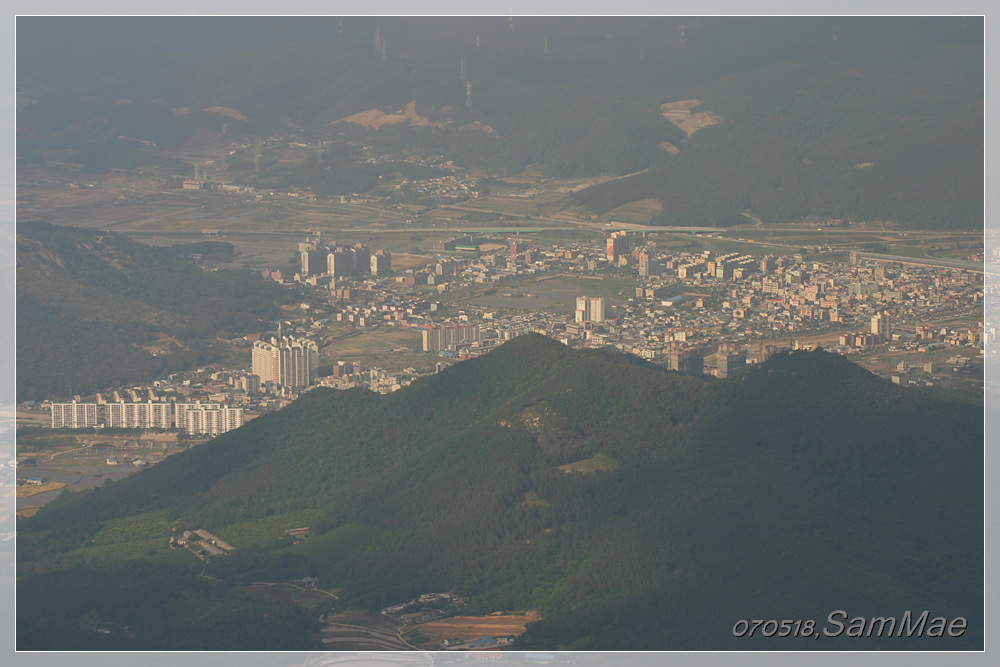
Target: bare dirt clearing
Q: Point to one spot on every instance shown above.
(402, 261)
(374, 118)
(679, 113)
(474, 627)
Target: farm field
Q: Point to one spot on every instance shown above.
(388, 348)
(557, 293)
(34, 489)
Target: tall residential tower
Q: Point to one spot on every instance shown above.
(288, 362)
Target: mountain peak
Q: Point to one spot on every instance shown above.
(614, 497)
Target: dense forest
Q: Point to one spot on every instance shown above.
(635, 508)
(864, 118)
(87, 300)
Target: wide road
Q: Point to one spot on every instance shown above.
(962, 264)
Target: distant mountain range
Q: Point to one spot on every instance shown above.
(632, 507)
(860, 118)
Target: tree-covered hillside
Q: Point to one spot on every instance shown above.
(87, 300)
(635, 508)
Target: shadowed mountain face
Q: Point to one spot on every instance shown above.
(633, 507)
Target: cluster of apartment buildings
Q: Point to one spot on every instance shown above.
(196, 418)
(686, 305)
(338, 261)
(691, 311)
(744, 296)
(693, 297)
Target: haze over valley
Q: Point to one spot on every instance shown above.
(500, 333)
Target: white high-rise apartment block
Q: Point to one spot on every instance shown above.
(265, 360)
(288, 362)
(181, 410)
(211, 421)
(138, 415)
(597, 309)
(590, 309)
(449, 337)
(74, 415)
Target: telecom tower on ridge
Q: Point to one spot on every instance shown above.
(468, 94)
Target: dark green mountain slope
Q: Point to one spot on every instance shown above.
(827, 140)
(87, 299)
(681, 507)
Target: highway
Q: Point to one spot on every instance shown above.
(962, 264)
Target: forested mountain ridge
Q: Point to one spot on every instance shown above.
(869, 118)
(633, 507)
(87, 300)
(826, 141)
